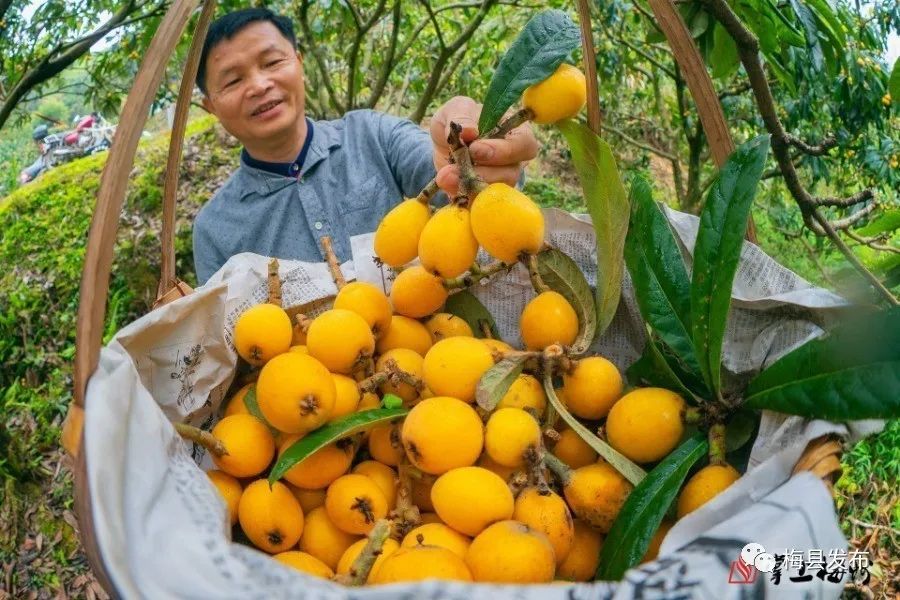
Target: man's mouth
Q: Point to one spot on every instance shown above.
(265, 107)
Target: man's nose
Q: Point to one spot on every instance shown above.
(259, 84)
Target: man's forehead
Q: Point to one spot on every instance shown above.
(253, 40)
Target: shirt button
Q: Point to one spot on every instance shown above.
(318, 225)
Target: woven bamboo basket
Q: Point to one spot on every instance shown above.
(821, 456)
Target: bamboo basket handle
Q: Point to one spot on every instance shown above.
(167, 279)
(700, 85)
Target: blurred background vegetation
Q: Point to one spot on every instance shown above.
(828, 64)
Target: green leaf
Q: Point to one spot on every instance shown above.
(699, 23)
(253, 407)
(494, 384)
(619, 462)
(547, 39)
(889, 220)
(661, 284)
(392, 401)
(330, 433)
(851, 373)
(607, 203)
(562, 274)
(740, 428)
(894, 82)
(811, 29)
(469, 308)
(785, 29)
(724, 59)
(653, 369)
(644, 509)
(723, 224)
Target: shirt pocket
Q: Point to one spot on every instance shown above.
(360, 196)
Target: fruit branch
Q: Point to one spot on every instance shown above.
(748, 51)
(469, 182)
(405, 514)
(692, 416)
(474, 276)
(201, 438)
(428, 192)
(362, 566)
(274, 283)
(523, 115)
(392, 374)
(717, 444)
(333, 265)
(537, 281)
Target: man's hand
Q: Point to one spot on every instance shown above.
(499, 160)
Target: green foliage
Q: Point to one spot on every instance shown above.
(330, 433)
(644, 509)
(45, 225)
(543, 44)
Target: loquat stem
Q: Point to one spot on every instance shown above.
(717, 444)
(486, 329)
(391, 373)
(692, 415)
(333, 264)
(302, 321)
(523, 115)
(559, 468)
(473, 277)
(470, 184)
(373, 382)
(535, 465)
(405, 515)
(274, 283)
(536, 281)
(500, 131)
(362, 566)
(202, 438)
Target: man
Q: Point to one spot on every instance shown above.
(300, 180)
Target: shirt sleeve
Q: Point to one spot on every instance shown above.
(207, 257)
(409, 153)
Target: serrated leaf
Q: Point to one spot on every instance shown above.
(851, 373)
(723, 223)
(547, 39)
(607, 204)
(494, 384)
(894, 82)
(562, 274)
(644, 509)
(661, 283)
(619, 462)
(330, 433)
(469, 308)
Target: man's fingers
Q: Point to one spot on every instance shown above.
(448, 177)
(461, 110)
(507, 174)
(520, 145)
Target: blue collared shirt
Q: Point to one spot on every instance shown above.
(289, 169)
(356, 168)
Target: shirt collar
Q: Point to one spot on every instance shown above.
(327, 137)
(285, 169)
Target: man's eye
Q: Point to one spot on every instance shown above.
(274, 62)
(232, 82)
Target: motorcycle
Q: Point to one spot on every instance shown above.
(92, 134)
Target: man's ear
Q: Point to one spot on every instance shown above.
(207, 104)
(300, 56)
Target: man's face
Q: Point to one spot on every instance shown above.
(254, 84)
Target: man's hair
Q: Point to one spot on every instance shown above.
(227, 26)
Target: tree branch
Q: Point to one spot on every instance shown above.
(872, 242)
(813, 150)
(388, 65)
(437, 28)
(316, 52)
(638, 143)
(53, 64)
(445, 55)
(748, 51)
